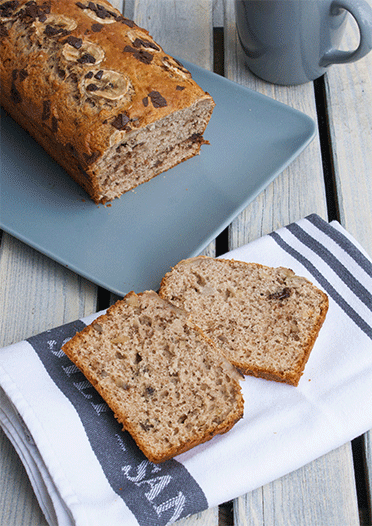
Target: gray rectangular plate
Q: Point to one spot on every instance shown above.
(132, 243)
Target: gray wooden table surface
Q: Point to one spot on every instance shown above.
(332, 178)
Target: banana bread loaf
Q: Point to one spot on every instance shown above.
(164, 380)
(265, 320)
(96, 91)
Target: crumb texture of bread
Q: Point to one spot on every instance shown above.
(98, 93)
(165, 381)
(265, 320)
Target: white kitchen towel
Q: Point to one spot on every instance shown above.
(85, 471)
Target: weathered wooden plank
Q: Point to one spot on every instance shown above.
(349, 95)
(206, 518)
(298, 191)
(119, 4)
(39, 293)
(367, 442)
(302, 497)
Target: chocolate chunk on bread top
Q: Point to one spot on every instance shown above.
(165, 381)
(265, 320)
(95, 90)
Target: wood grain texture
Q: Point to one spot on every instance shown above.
(302, 497)
(206, 518)
(367, 442)
(39, 293)
(349, 95)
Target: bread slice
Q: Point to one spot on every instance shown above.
(165, 381)
(265, 320)
(98, 93)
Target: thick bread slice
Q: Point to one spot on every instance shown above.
(165, 381)
(265, 320)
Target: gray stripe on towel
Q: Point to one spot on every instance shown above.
(341, 240)
(157, 494)
(353, 315)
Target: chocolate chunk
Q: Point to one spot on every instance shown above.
(54, 124)
(86, 59)
(34, 11)
(52, 31)
(89, 75)
(143, 56)
(146, 426)
(15, 95)
(81, 5)
(140, 54)
(280, 295)
(99, 74)
(70, 148)
(30, 11)
(158, 101)
(7, 8)
(102, 12)
(99, 10)
(91, 158)
(180, 88)
(74, 41)
(15, 74)
(145, 101)
(126, 21)
(92, 87)
(96, 28)
(22, 75)
(46, 110)
(3, 31)
(120, 121)
(139, 42)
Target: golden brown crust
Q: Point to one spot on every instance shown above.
(80, 78)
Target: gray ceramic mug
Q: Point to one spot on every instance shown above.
(295, 41)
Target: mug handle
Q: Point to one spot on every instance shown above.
(362, 13)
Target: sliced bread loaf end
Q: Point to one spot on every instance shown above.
(165, 381)
(265, 320)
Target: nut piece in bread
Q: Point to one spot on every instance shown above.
(265, 320)
(165, 381)
(95, 90)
